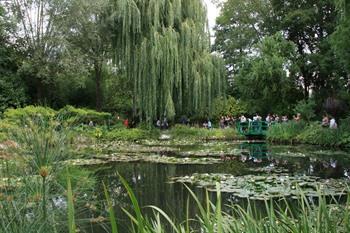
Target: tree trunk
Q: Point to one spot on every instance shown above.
(98, 88)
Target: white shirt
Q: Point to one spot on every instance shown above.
(333, 124)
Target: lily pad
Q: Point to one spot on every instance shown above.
(269, 185)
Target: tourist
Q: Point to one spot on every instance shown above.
(205, 125)
(277, 119)
(297, 118)
(91, 124)
(325, 121)
(243, 119)
(209, 124)
(333, 123)
(268, 118)
(165, 124)
(222, 122)
(126, 123)
(158, 124)
(256, 117)
(285, 119)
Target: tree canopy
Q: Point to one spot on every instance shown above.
(318, 31)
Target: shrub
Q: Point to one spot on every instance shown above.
(229, 106)
(75, 116)
(318, 135)
(306, 109)
(285, 132)
(23, 115)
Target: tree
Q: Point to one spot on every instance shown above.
(227, 107)
(240, 26)
(308, 24)
(340, 38)
(39, 36)
(86, 29)
(267, 82)
(163, 46)
(12, 93)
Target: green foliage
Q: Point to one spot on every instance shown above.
(240, 26)
(76, 116)
(312, 133)
(285, 132)
(306, 108)
(181, 131)
(340, 38)
(11, 86)
(164, 47)
(22, 115)
(278, 216)
(318, 135)
(227, 107)
(267, 82)
(131, 134)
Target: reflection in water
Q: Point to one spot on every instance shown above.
(150, 181)
(260, 153)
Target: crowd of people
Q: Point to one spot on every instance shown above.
(230, 121)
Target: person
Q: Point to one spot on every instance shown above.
(268, 119)
(158, 123)
(333, 123)
(325, 121)
(256, 117)
(165, 123)
(277, 119)
(205, 125)
(91, 124)
(243, 119)
(285, 119)
(209, 124)
(297, 118)
(222, 122)
(126, 123)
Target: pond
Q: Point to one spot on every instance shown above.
(156, 172)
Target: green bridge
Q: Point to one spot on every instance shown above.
(253, 129)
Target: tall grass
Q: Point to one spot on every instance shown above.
(181, 131)
(303, 216)
(310, 133)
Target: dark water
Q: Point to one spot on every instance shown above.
(150, 181)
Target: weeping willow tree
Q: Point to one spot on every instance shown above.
(164, 48)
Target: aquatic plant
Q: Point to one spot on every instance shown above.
(182, 131)
(279, 216)
(311, 133)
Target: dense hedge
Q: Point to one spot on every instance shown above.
(20, 115)
(69, 115)
(312, 133)
(75, 116)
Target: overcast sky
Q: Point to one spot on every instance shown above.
(213, 12)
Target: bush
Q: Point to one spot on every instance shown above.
(306, 109)
(23, 115)
(227, 107)
(285, 132)
(312, 133)
(75, 116)
(318, 135)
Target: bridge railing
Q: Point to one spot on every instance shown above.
(254, 128)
